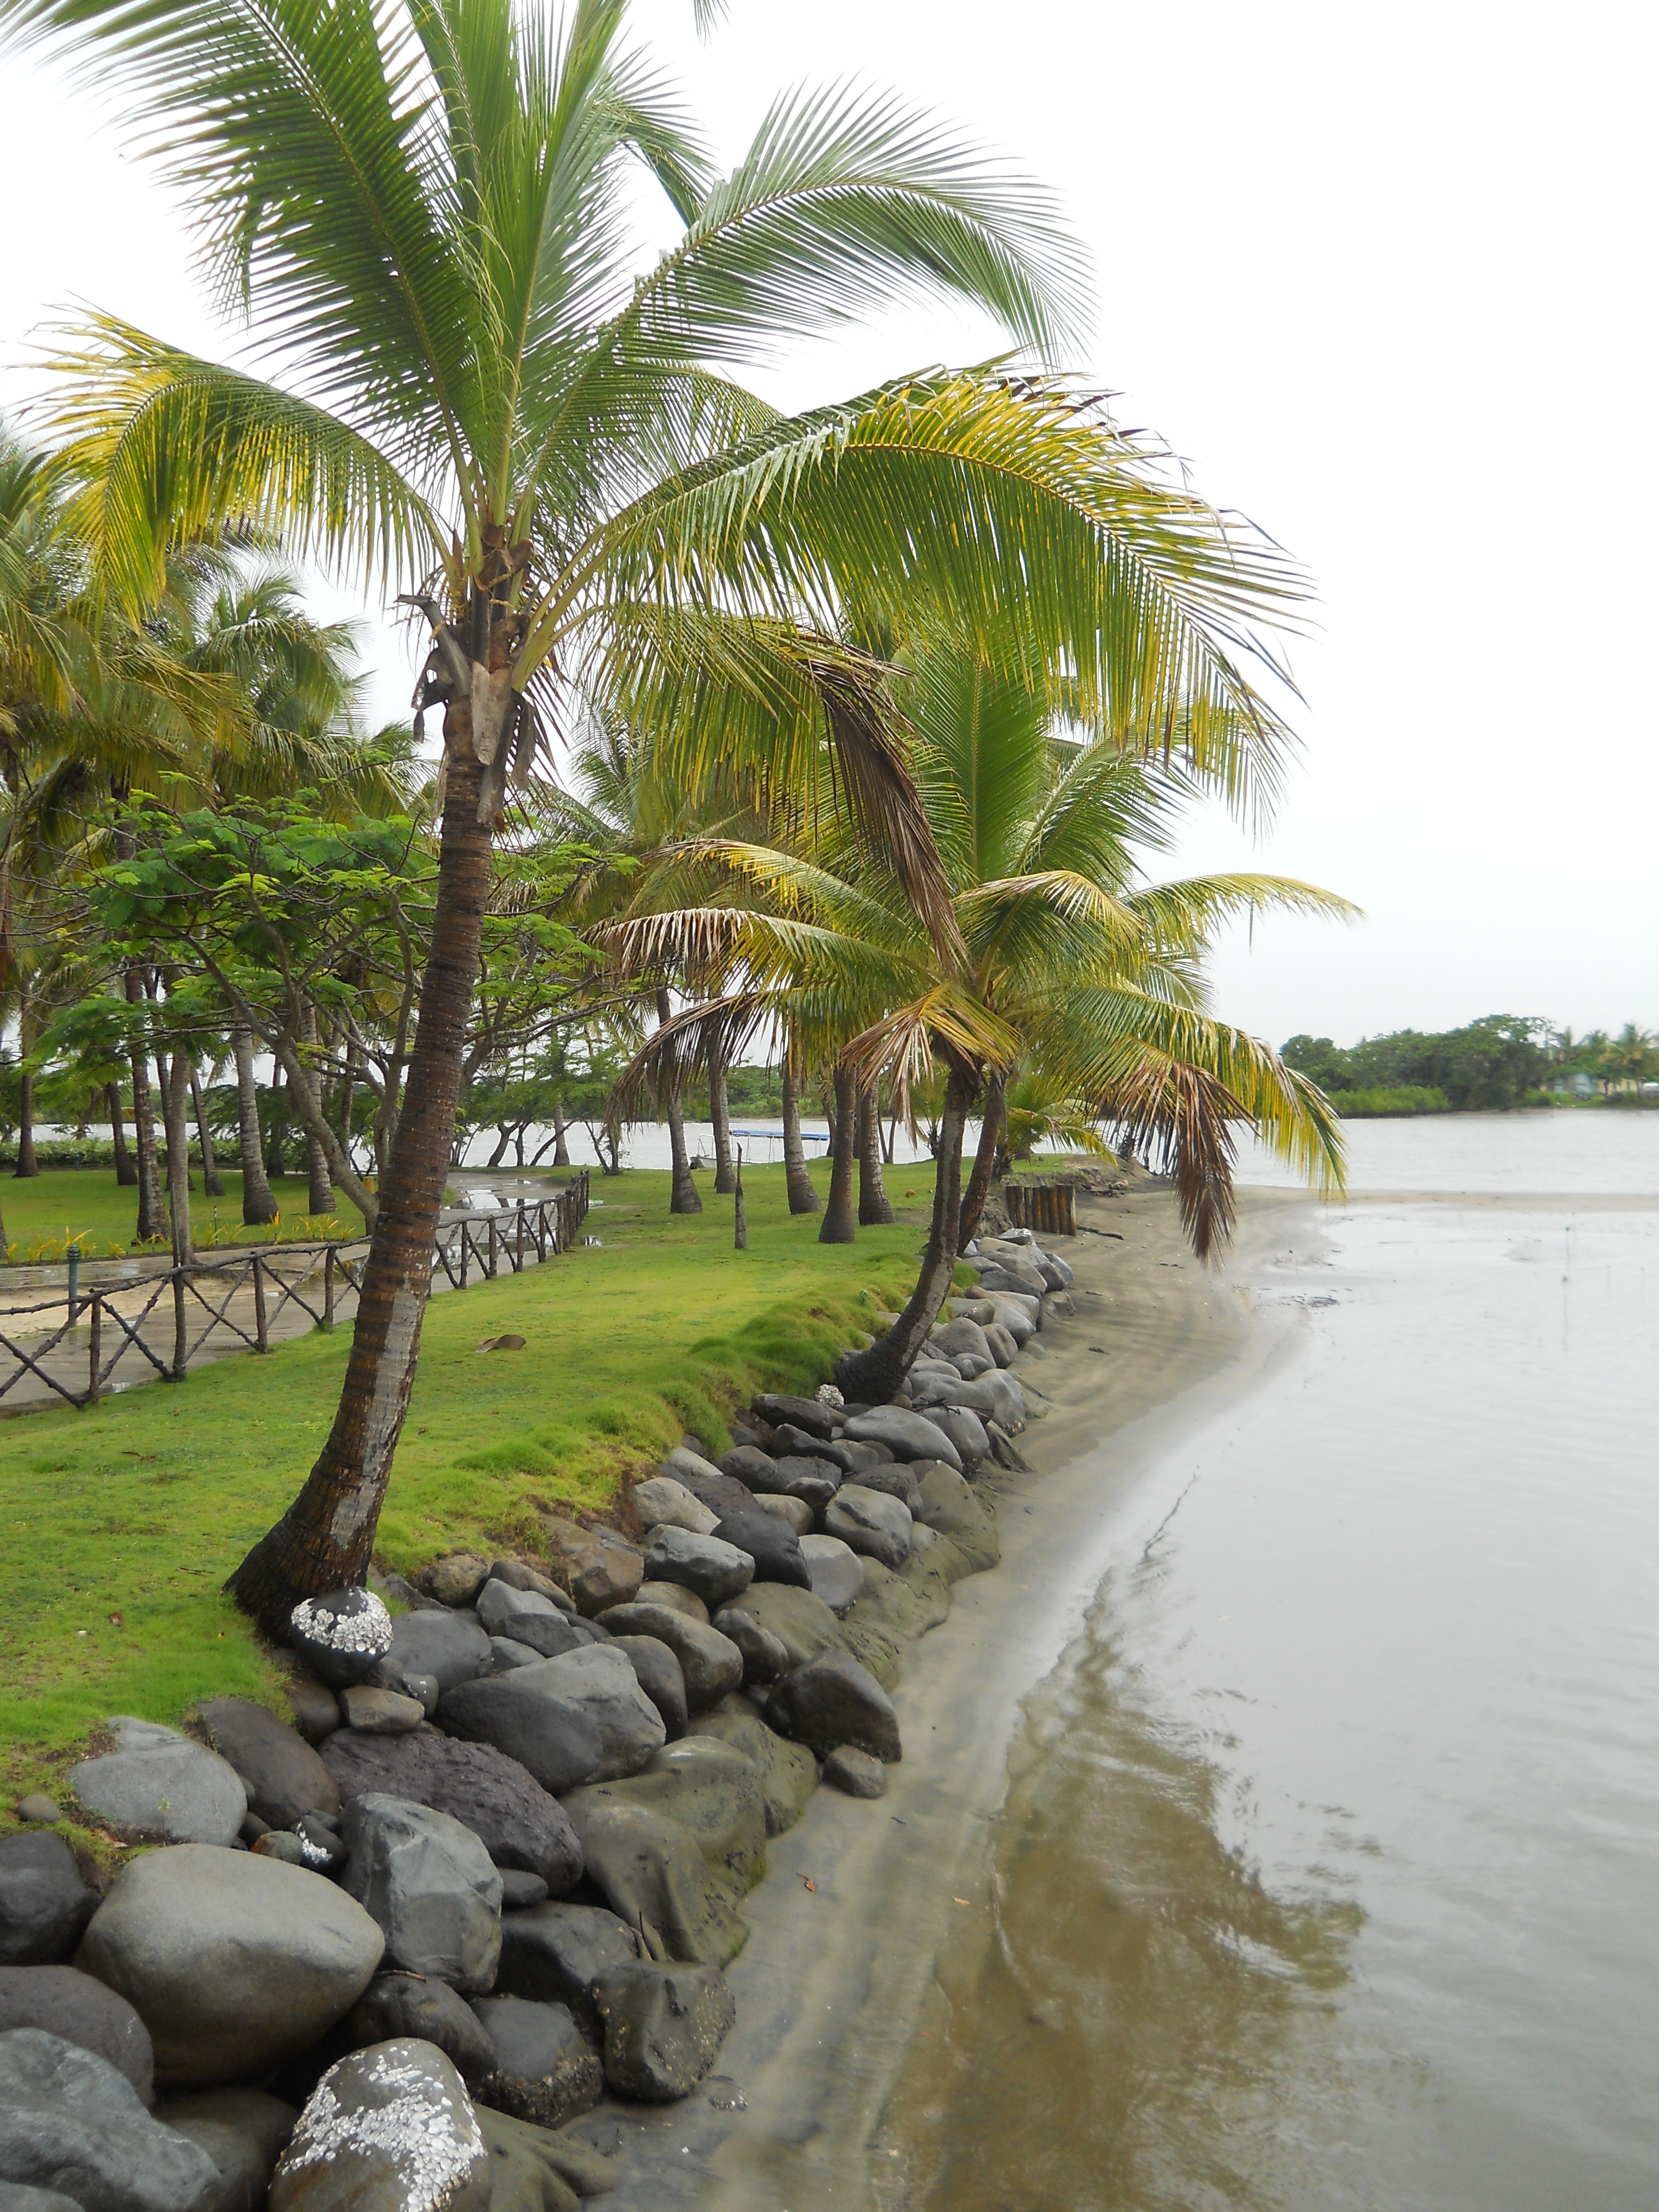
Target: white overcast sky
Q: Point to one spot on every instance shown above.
(1383, 277)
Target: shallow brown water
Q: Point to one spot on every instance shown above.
(1329, 1874)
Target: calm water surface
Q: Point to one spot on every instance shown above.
(1329, 1875)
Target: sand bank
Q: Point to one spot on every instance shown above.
(868, 1911)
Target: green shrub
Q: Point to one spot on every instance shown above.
(1380, 1104)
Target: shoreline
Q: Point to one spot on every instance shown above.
(838, 1981)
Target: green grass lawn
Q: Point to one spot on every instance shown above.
(121, 1523)
(47, 1209)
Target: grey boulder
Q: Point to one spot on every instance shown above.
(966, 1431)
(70, 2122)
(62, 2001)
(815, 1480)
(663, 2027)
(856, 1773)
(535, 2171)
(580, 1718)
(763, 1656)
(710, 1664)
(341, 1635)
(519, 1823)
(833, 1700)
(234, 1963)
(499, 1603)
(506, 1654)
(1004, 1347)
(429, 1884)
(556, 1953)
(674, 1596)
(665, 1501)
(871, 1524)
(44, 1903)
(457, 1579)
(749, 1465)
(770, 1543)
(545, 2070)
(399, 2004)
(243, 2132)
(660, 1676)
(819, 1420)
(907, 1435)
(160, 1784)
(836, 1569)
(390, 2128)
(381, 1712)
(21, 2196)
(451, 1647)
(285, 1777)
(711, 1570)
(796, 1513)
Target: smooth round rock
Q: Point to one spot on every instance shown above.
(709, 1663)
(907, 1435)
(836, 1570)
(772, 1544)
(341, 1634)
(450, 1647)
(44, 1903)
(62, 2001)
(430, 1884)
(794, 1512)
(660, 1675)
(666, 1499)
(379, 1712)
(398, 2004)
(871, 1524)
(832, 1701)
(764, 1658)
(390, 2128)
(243, 2132)
(284, 1776)
(854, 1773)
(581, 1718)
(517, 1822)
(674, 1596)
(34, 1807)
(70, 2122)
(161, 1785)
(716, 1571)
(234, 1963)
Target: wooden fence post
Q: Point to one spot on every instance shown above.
(494, 1245)
(328, 1288)
(261, 1339)
(180, 1327)
(96, 1351)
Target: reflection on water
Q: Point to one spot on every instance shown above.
(1327, 1874)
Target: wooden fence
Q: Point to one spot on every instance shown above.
(1045, 1208)
(244, 1293)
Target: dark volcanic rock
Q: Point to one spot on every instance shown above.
(712, 1569)
(519, 1823)
(545, 2070)
(710, 1664)
(801, 1413)
(772, 1544)
(342, 1634)
(557, 1952)
(535, 2171)
(44, 1903)
(833, 1700)
(412, 2004)
(243, 2132)
(663, 2027)
(451, 1647)
(650, 1872)
(764, 1658)
(856, 1772)
(62, 2001)
(721, 1494)
(550, 1716)
(430, 1885)
(285, 1778)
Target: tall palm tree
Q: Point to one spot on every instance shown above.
(425, 207)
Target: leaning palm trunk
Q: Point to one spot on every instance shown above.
(839, 1226)
(325, 1539)
(872, 1376)
(152, 1219)
(212, 1184)
(719, 1114)
(258, 1204)
(803, 1198)
(126, 1174)
(985, 1160)
(874, 1205)
(683, 1190)
(27, 1164)
(320, 1197)
(175, 1108)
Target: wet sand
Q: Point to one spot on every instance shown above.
(870, 1913)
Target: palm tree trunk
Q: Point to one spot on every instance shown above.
(212, 1184)
(175, 1105)
(721, 1114)
(871, 1377)
(560, 1148)
(683, 1194)
(258, 1204)
(319, 1199)
(26, 1163)
(152, 1217)
(990, 1142)
(873, 1203)
(838, 1227)
(324, 1540)
(803, 1199)
(126, 1174)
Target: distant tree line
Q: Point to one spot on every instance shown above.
(1500, 1060)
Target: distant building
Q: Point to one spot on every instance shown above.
(1580, 1085)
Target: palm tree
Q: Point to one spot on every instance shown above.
(1064, 962)
(427, 209)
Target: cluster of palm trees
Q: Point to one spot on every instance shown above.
(877, 700)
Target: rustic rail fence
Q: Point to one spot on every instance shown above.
(1045, 1208)
(246, 1293)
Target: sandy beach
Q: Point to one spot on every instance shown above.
(870, 1912)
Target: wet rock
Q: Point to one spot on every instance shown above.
(159, 1784)
(875, 1526)
(556, 1953)
(534, 2170)
(517, 1822)
(832, 1701)
(710, 1789)
(44, 1903)
(315, 1708)
(21, 2196)
(795, 1513)
(855, 1772)
(387, 2129)
(604, 1575)
(709, 1664)
(660, 1675)
(663, 2027)
(243, 2132)
(664, 1501)
(749, 1465)
(907, 1435)
(429, 1883)
(550, 1635)
(545, 2070)
(711, 1570)
(498, 1603)
(898, 1479)
(800, 1620)
(518, 1575)
(70, 2122)
(1003, 1346)
(520, 1891)
(650, 1872)
(381, 1712)
(285, 1777)
(815, 1480)
(582, 1717)
(788, 1772)
(907, 1604)
(506, 1654)
(458, 1579)
(955, 1510)
(451, 1647)
(771, 1546)
(836, 1572)
(396, 2005)
(62, 2001)
(341, 1634)
(763, 1656)
(966, 1431)
(234, 1963)
(807, 1414)
(674, 1596)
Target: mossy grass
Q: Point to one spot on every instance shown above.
(45, 1212)
(124, 1521)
